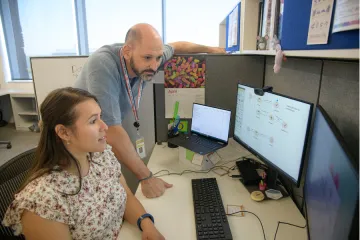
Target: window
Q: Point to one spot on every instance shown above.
(109, 20)
(74, 27)
(196, 21)
(37, 28)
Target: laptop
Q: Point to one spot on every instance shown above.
(209, 130)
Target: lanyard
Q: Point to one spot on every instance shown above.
(129, 91)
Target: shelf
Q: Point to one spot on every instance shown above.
(344, 54)
(23, 95)
(28, 113)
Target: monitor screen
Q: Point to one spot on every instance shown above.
(274, 127)
(331, 185)
(210, 121)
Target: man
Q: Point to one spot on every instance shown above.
(114, 69)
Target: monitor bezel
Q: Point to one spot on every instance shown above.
(353, 163)
(208, 136)
(268, 162)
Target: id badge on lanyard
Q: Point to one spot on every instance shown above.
(140, 142)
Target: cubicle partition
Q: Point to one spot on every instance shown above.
(333, 84)
(222, 75)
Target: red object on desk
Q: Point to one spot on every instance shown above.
(262, 186)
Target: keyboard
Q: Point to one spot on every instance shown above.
(203, 142)
(210, 217)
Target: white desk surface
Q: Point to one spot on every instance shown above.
(174, 213)
(4, 92)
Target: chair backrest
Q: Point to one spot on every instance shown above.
(12, 175)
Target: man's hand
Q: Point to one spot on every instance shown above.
(217, 50)
(154, 187)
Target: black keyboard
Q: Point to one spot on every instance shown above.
(204, 142)
(210, 217)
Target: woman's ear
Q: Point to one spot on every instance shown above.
(63, 132)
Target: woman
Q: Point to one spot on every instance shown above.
(75, 189)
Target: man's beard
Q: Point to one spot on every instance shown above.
(146, 75)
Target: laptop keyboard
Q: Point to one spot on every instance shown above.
(203, 142)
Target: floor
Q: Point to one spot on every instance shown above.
(21, 141)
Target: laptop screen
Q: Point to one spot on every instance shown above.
(212, 122)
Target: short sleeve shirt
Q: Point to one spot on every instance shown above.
(96, 212)
(102, 76)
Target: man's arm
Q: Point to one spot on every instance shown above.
(125, 152)
(188, 47)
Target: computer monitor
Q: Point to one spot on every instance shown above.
(274, 128)
(331, 184)
(210, 121)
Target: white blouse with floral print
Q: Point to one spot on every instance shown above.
(96, 212)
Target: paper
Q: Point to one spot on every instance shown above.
(197, 160)
(231, 152)
(186, 98)
(346, 15)
(320, 19)
(214, 158)
(230, 29)
(189, 155)
(234, 27)
(185, 72)
(234, 209)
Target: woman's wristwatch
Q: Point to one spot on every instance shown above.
(146, 215)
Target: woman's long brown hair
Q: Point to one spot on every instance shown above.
(57, 108)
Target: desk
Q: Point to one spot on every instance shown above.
(23, 107)
(174, 214)
(4, 92)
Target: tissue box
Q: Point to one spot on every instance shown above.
(196, 161)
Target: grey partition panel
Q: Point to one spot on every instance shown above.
(147, 130)
(224, 73)
(339, 96)
(298, 78)
(161, 122)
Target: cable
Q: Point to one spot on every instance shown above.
(217, 166)
(190, 171)
(287, 224)
(252, 214)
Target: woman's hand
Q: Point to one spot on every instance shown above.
(149, 231)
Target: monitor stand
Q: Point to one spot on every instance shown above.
(272, 182)
(271, 179)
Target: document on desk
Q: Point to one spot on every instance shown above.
(235, 209)
(231, 152)
(186, 98)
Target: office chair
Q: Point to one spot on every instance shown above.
(3, 123)
(12, 174)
